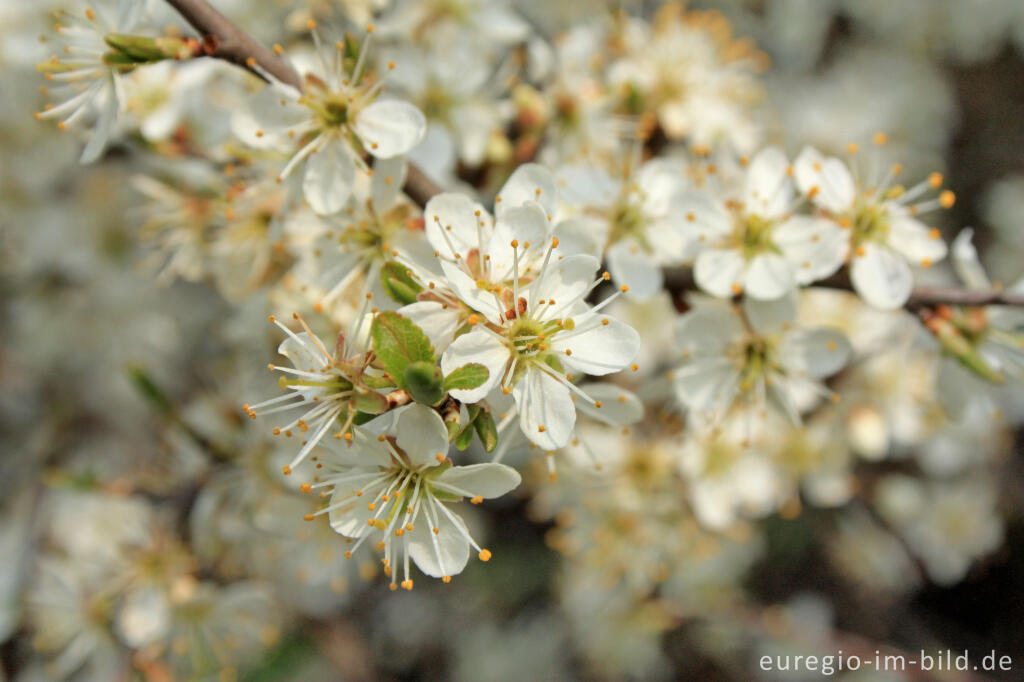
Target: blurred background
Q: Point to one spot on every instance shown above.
(145, 530)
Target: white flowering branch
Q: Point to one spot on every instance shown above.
(223, 39)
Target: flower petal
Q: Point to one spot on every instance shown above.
(451, 222)
(531, 182)
(445, 552)
(827, 178)
(768, 190)
(881, 277)
(390, 127)
(330, 173)
(719, 272)
(630, 264)
(817, 247)
(915, 241)
(772, 316)
(769, 276)
(438, 321)
(816, 353)
(619, 407)
(423, 435)
(481, 347)
(486, 480)
(599, 348)
(546, 411)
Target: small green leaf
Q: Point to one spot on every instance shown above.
(468, 376)
(371, 402)
(486, 430)
(398, 284)
(399, 342)
(465, 435)
(424, 382)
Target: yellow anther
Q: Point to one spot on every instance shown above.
(880, 139)
(439, 456)
(934, 233)
(598, 403)
(737, 288)
(515, 243)
(278, 49)
(541, 428)
(947, 199)
(852, 148)
(634, 367)
(305, 487)
(485, 555)
(935, 180)
(308, 517)
(473, 319)
(624, 288)
(476, 500)
(286, 470)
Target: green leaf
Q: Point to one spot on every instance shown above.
(398, 342)
(465, 435)
(371, 402)
(424, 382)
(374, 381)
(468, 376)
(398, 284)
(486, 430)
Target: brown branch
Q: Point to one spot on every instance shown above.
(223, 39)
(679, 280)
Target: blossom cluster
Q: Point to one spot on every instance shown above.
(584, 272)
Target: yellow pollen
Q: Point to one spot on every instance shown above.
(369, 28)
(880, 139)
(861, 251)
(947, 199)
(568, 351)
(278, 49)
(446, 579)
(926, 262)
(634, 367)
(934, 233)
(472, 320)
(852, 148)
(935, 180)
(515, 243)
(391, 65)
(89, 13)
(476, 500)
(436, 530)
(624, 288)
(737, 289)
(485, 555)
(541, 428)
(286, 470)
(310, 24)
(305, 487)
(440, 456)
(598, 403)
(604, 321)
(308, 517)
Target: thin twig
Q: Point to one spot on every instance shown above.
(223, 39)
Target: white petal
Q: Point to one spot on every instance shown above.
(769, 190)
(705, 219)
(915, 241)
(619, 407)
(544, 402)
(423, 435)
(720, 272)
(707, 330)
(966, 262)
(816, 353)
(438, 322)
(387, 181)
(881, 277)
(601, 349)
(486, 480)
(772, 316)
(769, 276)
(451, 222)
(631, 265)
(835, 190)
(586, 185)
(817, 247)
(707, 385)
(530, 182)
(351, 519)
(304, 354)
(263, 122)
(480, 347)
(330, 173)
(390, 127)
(438, 554)
(661, 181)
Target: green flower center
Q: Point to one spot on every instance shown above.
(753, 235)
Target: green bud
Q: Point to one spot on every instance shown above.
(487, 430)
(371, 402)
(132, 50)
(424, 382)
(398, 284)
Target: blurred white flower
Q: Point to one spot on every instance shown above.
(751, 240)
(884, 234)
(333, 119)
(755, 355)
